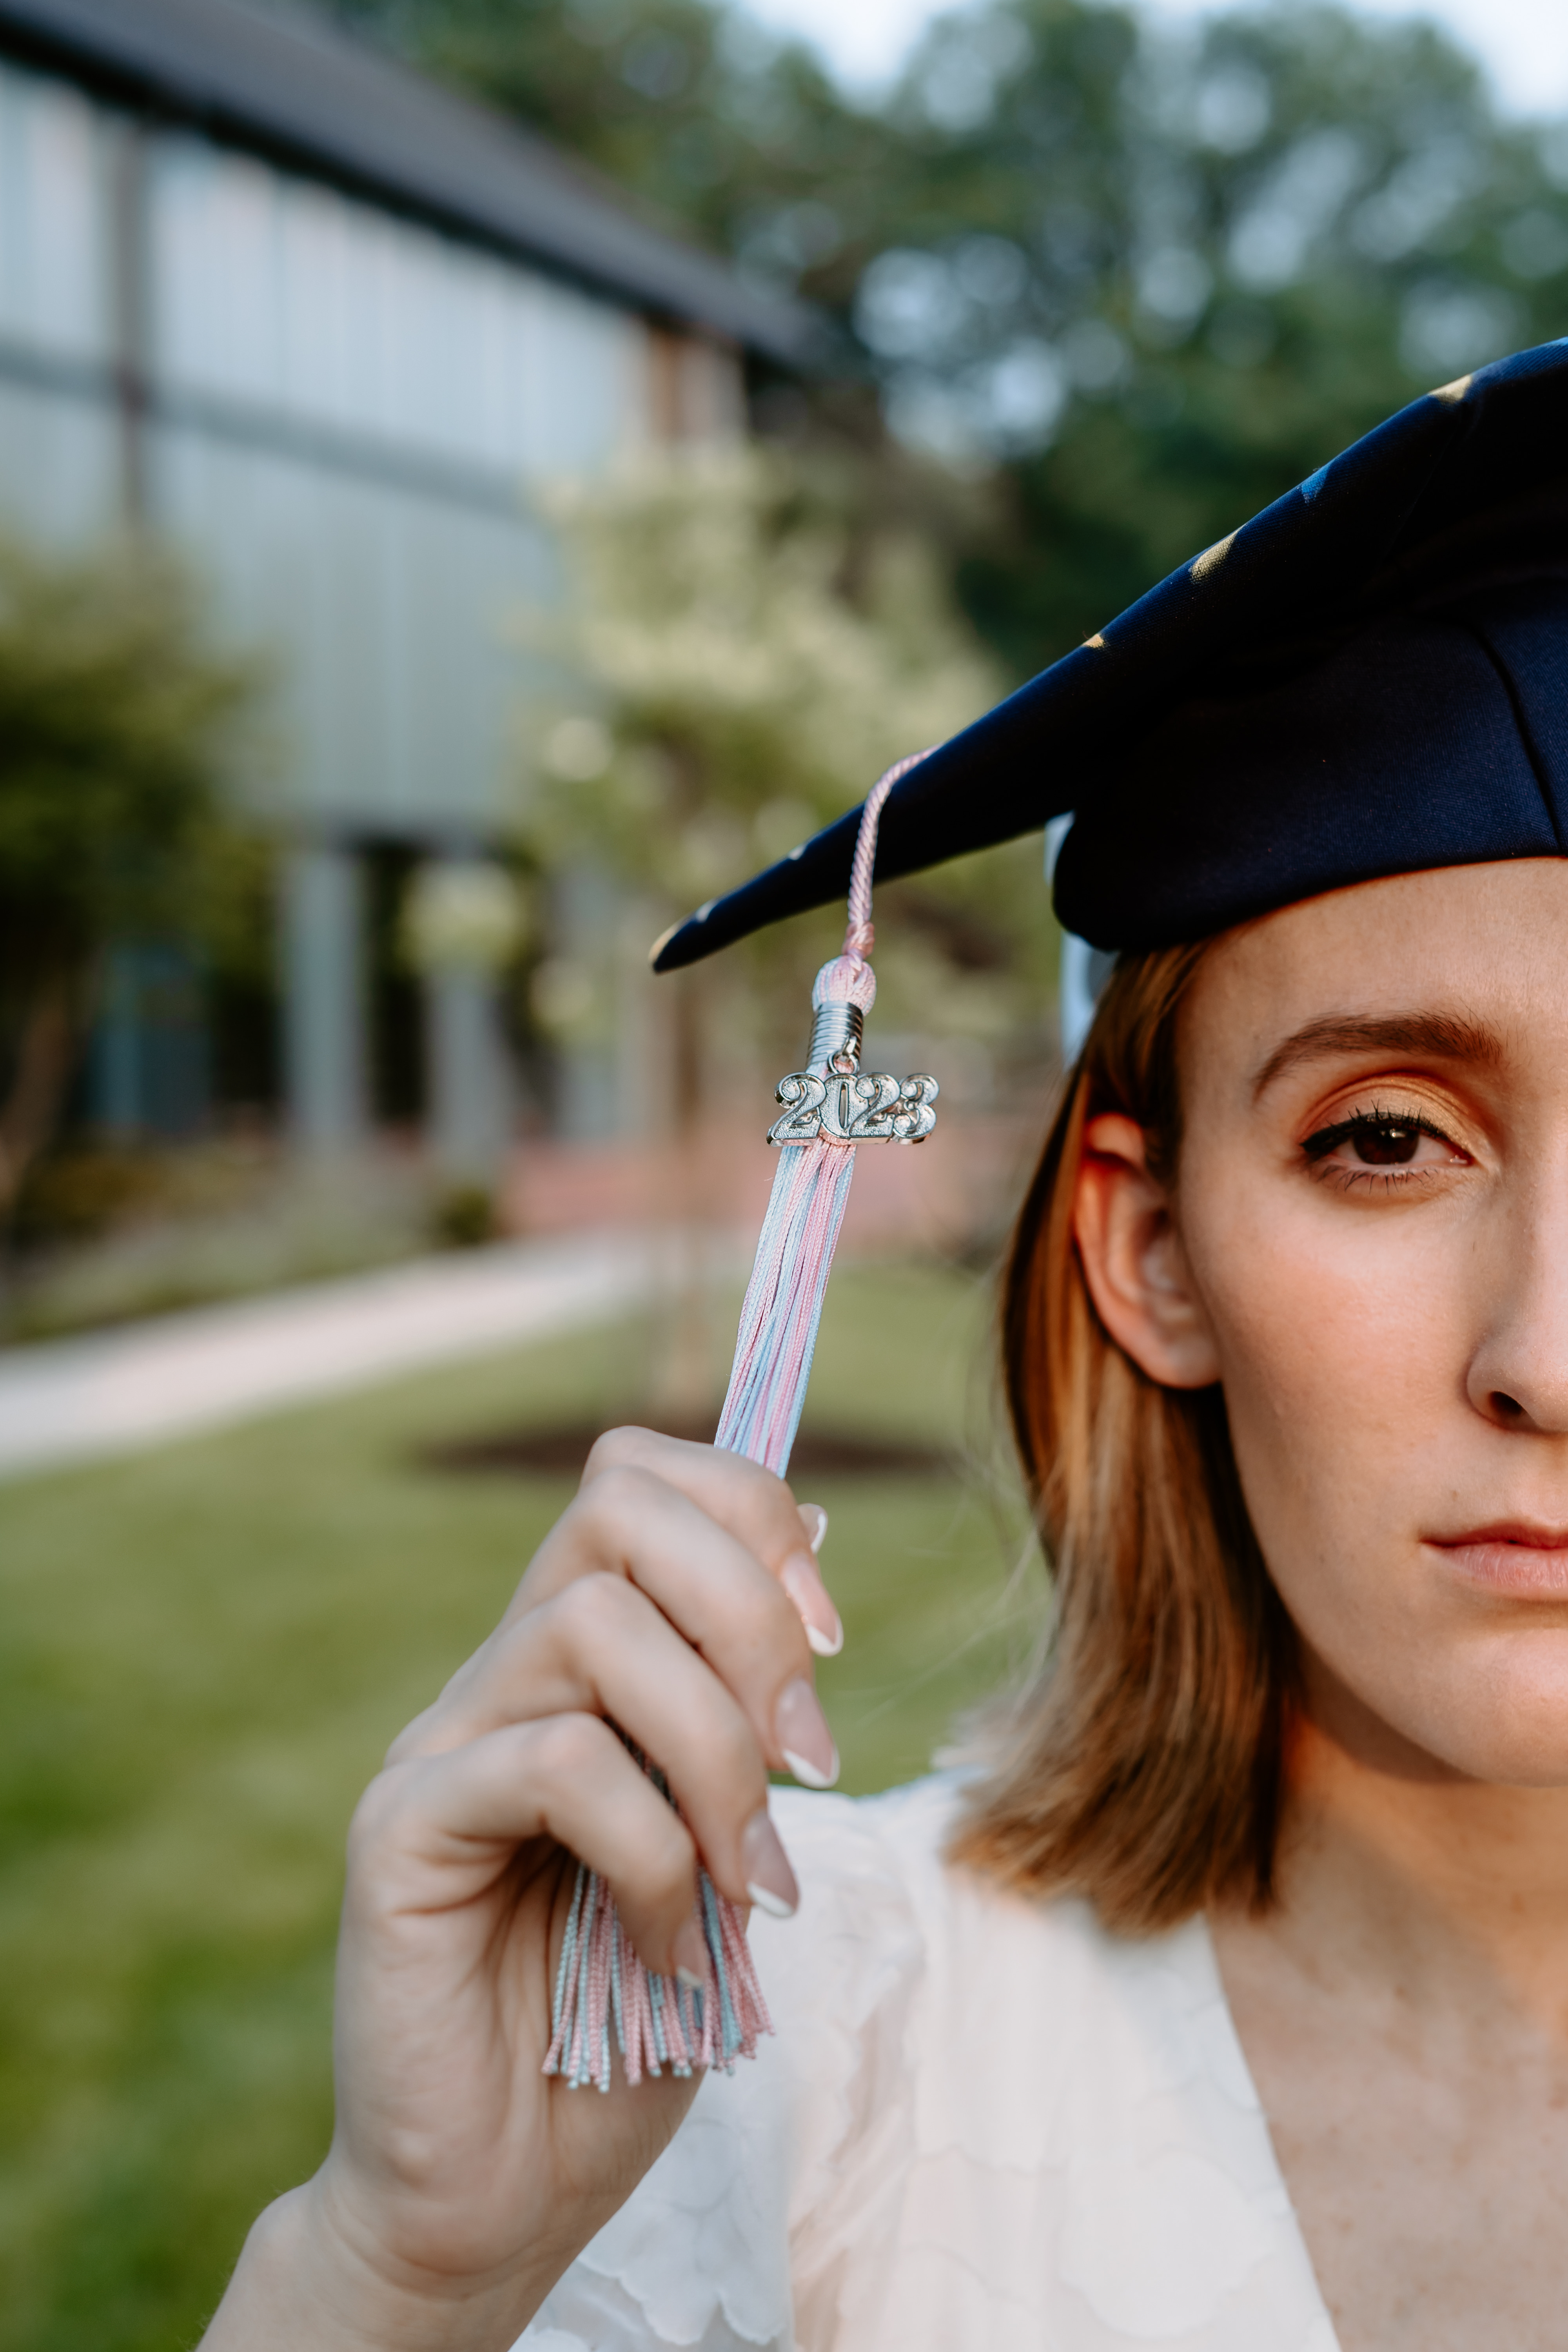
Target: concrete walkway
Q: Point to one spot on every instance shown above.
(112, 1392)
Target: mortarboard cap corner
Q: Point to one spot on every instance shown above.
(1298, 708)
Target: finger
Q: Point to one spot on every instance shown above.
(601, 1645)
(434, 1833)
(632, 1524)
(802, 1580)
(798, 1571)
(756, 1507)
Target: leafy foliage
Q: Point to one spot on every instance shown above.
(1153, 274)
(757, 662)
(116, 727)
(1160, 275)
(115, 724)
(689, 107)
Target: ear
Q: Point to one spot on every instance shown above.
(1133, 1260)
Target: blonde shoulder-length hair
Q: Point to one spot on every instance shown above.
(1143, 1765)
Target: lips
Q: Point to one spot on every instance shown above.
(1512, 1558)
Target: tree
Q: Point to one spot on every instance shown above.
(690, 108)
(1147, 276)
(755, 653)
(1160, 275)
(750, 653)
(117, 725)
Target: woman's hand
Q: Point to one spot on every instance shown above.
(461, 2181)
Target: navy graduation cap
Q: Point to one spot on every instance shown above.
(1369, 677)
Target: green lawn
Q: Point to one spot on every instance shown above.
(206, 1651)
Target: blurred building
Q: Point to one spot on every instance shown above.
(321, 323)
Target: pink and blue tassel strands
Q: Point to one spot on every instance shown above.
(606, 2003)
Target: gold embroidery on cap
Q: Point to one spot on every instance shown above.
(1211, 559)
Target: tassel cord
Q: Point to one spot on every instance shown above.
(603, 1991)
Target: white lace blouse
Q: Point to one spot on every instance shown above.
(985, 2125)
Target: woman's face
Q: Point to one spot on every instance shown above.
(1371, 1224)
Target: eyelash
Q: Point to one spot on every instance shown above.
(1327, 1139)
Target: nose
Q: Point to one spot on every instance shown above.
(1518, 1374)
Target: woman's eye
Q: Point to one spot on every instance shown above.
(1381, 1140)
(1385, 1142)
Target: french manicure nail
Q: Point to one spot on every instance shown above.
(691, 1957)
(802, 1580)
(806, 1742)
(770, 1881)
(815, 1520)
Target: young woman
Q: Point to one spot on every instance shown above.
(1225, 2004)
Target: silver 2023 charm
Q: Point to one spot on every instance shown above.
(854, 1106)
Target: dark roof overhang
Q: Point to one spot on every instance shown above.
(288, 85)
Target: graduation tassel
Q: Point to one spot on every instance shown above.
(603, 1991)
(829, 1108)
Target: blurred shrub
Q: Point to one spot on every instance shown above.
(462, 914)
(465, 1217)
(75, 1196)
(77, 1192)
(117, 724)
(758, 645)
(201, 1222)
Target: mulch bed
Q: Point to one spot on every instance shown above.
(562, 1450)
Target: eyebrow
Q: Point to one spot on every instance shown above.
(1444, 1036)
